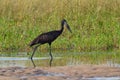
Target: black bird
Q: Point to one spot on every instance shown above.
(48, 37)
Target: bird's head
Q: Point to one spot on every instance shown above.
(64, 23)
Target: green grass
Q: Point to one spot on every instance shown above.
(95, 23)
(97, 57)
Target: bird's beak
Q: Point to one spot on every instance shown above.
(68, 27)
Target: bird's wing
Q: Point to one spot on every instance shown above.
(45, 38)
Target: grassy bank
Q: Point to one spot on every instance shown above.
(95, 23)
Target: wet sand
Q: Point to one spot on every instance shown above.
(58, 73)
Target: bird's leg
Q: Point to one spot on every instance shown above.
(35, 48)
(50, 54)
(33, 63)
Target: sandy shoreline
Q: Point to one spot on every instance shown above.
(58, 73)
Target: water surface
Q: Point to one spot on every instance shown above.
(21, 59)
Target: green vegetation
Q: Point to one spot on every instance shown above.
(94, 58)
(95, 23)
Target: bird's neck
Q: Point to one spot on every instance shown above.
(61, 30)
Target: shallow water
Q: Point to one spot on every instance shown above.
(21, 59)
(103, 78)
(24, 61)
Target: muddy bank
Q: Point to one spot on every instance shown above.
(58, 73)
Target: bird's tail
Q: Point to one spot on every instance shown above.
(31, 44)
